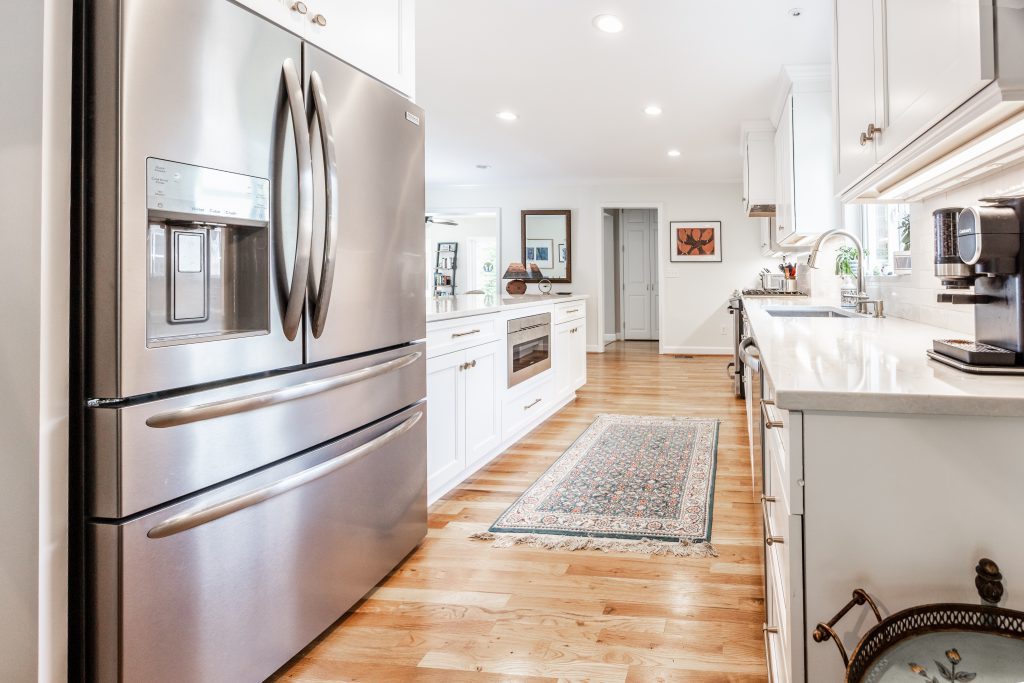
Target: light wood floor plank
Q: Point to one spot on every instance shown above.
(459, 610)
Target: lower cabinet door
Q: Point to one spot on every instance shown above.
(482, 400)
(229, 584)
(561, 359)
(578, 354)
(446, 456)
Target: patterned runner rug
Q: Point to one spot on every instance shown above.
(628, 483)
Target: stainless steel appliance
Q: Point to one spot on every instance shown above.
(529, 347)
(989, 243)
(735, 368)
(254, 450)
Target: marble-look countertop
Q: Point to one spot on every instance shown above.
(869, 365)
(463, 305)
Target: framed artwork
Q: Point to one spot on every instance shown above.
(541, 252)
(694, 241)
(561, 253)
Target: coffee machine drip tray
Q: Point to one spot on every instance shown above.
(975, 357)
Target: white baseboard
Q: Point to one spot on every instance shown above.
(595, 348)
(698, 350)
(609, 338)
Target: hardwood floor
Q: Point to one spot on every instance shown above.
(459, 610)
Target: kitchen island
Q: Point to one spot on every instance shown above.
(882, 470)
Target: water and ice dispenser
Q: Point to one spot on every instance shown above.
(208, 256)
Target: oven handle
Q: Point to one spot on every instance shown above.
(750, 355)
(265, 399)
(193, 518)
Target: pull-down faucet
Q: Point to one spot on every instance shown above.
(862, 296)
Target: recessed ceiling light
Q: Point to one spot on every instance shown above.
(608, 23)
(483, 167)
(796, 11)
(652, 110)
(674, 152)
(507, 115)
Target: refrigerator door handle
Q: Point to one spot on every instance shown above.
(295, 293)
(234, 406)
(321, 298)
(193, 518)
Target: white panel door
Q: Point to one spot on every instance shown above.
(854, 84)
(636, 274)
(445, 394)
(937, 54)
(481, 399)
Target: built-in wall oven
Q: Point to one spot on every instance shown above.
(529, 347)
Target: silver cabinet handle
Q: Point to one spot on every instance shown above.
(265, 399)
(472, 364)
(464, 334)
(295, 294)
(193, 518)
(772, 540)
(769, 631)
(767, 499)
(575, 310)
(320, 20)
(869, 134)
(300, 7)
(321, 301)
(535, 402)
(769, 423)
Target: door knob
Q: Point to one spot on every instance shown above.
(300, 7)
(320, 20)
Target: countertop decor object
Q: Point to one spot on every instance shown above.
(544, 286)
(627, 484)
(516, 274)
(938, 642)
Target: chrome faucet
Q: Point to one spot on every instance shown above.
(862, 297)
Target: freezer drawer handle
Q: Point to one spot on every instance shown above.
(193, 518)
(320, 300)
(295, 294)
(265, 399)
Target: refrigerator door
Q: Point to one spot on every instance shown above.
(144, 454)
(186, 98)
(367, 288)
(229, 584)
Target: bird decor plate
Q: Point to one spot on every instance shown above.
(695, 241)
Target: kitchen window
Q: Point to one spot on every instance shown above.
(886, 232)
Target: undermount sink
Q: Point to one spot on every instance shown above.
(811, 312)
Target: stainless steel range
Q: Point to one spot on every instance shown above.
(254, 451)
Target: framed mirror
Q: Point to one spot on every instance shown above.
(547, 242)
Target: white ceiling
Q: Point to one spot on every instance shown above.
(580, 93)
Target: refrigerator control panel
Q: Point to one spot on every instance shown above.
(187, 192)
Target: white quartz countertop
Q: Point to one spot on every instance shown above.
(869, 365)
(464, 305)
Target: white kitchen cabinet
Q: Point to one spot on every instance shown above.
(805, 203)
(578, 355)
(569, 357)
(909, 76)
(375, 36)
(759, 171)
(463, 410)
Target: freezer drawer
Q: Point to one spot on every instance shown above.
(228, 585)
(146, 454)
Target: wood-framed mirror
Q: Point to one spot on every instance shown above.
(547, 242)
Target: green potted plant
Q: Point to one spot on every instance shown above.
(901, 258)
(846, 268)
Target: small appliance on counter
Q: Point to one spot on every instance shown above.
(982, 246)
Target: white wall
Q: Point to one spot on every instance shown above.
(694, 295)
(35, 148)
(469, 227)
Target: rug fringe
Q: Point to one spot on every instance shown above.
(645, 546)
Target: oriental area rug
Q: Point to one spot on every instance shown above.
(627, 484)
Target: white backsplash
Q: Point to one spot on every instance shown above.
(913, 296)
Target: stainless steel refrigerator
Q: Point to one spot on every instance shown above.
(254, 441)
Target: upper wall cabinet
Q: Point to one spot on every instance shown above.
(805, 203)
(916, 80)
(758, 147)
(376, 36)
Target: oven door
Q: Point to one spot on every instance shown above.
(529, 353)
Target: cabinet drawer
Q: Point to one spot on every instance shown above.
(526, 407)
(783, 443)
(777, 634)
(570, 310)
(452, 335)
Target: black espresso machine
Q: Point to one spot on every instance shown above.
(982, 246)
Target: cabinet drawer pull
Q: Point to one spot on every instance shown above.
(767, 630)
(772, 540)
(769, 423)
(464, 334)
(575, 310)
(535, 402)
(767, 499)
(320, 20)
(300, 7)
